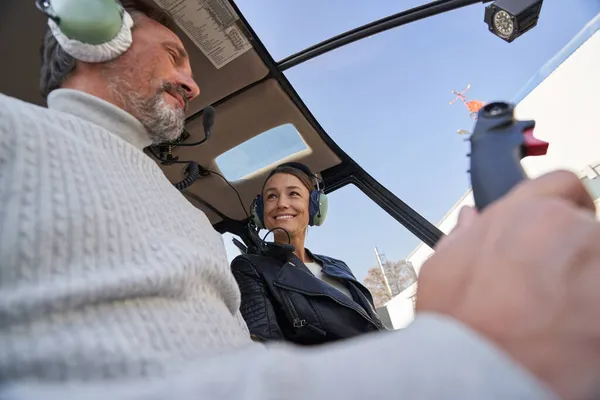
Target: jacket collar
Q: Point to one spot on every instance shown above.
(102, 113)
(296, 276)
(331, 268)
(334, 269)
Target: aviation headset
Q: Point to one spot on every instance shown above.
(92, 31)
(317, 205)
(97, 31)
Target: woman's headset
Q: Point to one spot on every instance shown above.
(317, 205)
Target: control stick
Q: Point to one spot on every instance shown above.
(498, 144)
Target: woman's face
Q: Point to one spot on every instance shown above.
(286, 204)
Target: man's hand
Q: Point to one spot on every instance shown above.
(525, 273)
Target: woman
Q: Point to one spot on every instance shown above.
(300, 297)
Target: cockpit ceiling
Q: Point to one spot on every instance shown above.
(242, 117)
(22, 26)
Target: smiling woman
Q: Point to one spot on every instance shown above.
(290, 293)
(286, 206)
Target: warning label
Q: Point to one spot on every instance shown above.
(212, 25)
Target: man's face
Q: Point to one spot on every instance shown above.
(153, 80)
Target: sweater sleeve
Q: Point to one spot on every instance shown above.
(257, 304)
(434, 358)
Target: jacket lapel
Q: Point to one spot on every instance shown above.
(296, 276)
(360, 293)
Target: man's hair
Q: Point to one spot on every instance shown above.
(57, 64)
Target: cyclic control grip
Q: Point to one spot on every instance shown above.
(498, 144)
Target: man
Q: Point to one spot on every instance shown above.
(113, 286)
(153, 82)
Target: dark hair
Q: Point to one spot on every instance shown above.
(57, 64)
(307, 180)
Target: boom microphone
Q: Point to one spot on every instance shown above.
(281, 251)
(89, 30)
(208, 120)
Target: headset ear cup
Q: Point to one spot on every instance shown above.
(100, 37)
(318, 208)
(257, 212)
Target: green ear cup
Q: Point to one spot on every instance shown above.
(88, 21)
(320, 216)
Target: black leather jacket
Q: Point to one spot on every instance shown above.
(283, 300)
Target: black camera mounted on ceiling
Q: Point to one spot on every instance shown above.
(509, 19)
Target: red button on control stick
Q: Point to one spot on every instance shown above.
(532, 145)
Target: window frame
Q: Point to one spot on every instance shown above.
(224, 167)
(348, 171)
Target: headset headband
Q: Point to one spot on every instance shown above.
(297, 166)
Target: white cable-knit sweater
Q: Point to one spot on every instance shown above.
(112, 285)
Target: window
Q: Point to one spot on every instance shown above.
(593, 185)
(354, 227)
(591, 181)
(286, 27)
(230, 248)
(384, 99)
(260, 151)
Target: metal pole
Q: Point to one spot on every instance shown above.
(385, 281)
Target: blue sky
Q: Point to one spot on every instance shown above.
(384, 100)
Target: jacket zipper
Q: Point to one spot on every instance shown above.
(297, 322)
(358, 310)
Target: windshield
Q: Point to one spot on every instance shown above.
(385, 99)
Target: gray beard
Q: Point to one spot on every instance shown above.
(163, 123)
